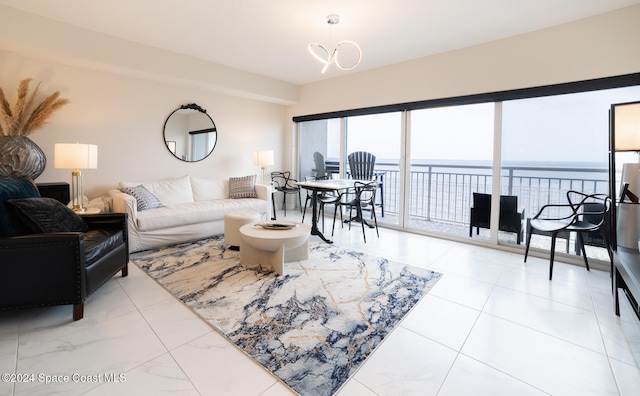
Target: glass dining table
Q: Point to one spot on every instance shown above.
(319, 186)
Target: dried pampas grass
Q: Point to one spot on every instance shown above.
(25, 118)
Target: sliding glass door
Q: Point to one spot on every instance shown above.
(318, 137)
(450, 156)
(380, 135)
(435, 160)
(554, 144)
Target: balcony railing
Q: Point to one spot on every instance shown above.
(443, 192)
(441, 195)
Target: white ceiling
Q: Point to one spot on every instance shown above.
(270, 37)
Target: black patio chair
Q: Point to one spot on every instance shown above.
(320, 167)
(362, 167)
(578, 215)
(593, 238)
(510, 220)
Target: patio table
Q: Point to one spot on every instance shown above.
(319, 186)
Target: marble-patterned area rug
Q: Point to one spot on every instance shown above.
(312, 327)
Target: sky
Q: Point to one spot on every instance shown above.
(561, 128)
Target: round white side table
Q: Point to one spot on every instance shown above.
(273, 247)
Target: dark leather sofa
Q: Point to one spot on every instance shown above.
(56, 268)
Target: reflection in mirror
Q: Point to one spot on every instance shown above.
(189, 133)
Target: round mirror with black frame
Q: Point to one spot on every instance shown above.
(190, 133)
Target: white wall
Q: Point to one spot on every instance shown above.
(601, 46)
(125, 115)
(66, 44)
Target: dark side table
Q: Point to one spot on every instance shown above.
(58, 191)
(626, 276)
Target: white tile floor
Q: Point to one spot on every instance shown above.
(491, 326)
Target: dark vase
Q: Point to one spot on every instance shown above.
(20, 156)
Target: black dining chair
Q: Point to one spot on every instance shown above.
(363, 197)
(577, 215)
(283, 182)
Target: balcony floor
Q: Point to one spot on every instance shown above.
(462, 231)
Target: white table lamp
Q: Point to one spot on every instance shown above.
(76, 156)
(264, 158)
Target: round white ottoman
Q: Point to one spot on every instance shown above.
(232, 223)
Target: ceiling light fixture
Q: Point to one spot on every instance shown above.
(321, 53)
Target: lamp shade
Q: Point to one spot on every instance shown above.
(264, 157)
(626, 124)
(75, 156)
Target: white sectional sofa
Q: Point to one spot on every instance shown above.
(189, 208)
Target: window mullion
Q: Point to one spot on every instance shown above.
(496, 170)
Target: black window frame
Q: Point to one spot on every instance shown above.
(620, 81)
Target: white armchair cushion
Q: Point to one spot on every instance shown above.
(206, 190)
(195, 213)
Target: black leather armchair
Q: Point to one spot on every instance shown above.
(59, 268)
